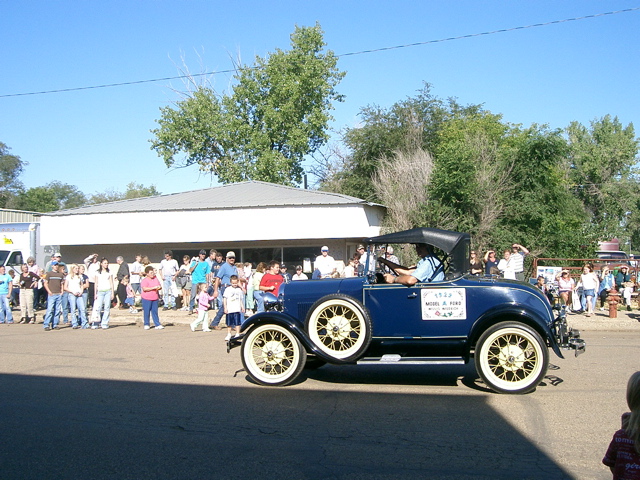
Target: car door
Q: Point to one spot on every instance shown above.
(423, 310)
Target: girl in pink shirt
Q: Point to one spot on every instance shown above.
(204, 300)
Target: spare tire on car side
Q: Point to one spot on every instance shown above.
(340, 326)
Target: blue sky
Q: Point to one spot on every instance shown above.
(98, 139)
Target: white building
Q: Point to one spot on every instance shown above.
(259, 221)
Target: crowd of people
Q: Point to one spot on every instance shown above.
(579, 296)
(83, 295)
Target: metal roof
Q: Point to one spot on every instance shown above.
(251, 194)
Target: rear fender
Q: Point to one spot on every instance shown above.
(291, 324)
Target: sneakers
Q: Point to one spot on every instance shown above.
(193, 327)
(207, 330)
(132, 310)
(159, 327)
(46, 329)
(602, 309)
(227, 338)
(105, 327)
(147, 327)
(94, 327)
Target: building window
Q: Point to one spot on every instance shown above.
(297, 255)
(257, 255)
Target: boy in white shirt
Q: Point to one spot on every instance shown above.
(233, 302)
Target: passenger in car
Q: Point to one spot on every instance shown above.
(428, 269)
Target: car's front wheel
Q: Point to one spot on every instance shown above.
(272, 355)
(511, 358)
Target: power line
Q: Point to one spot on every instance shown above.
(362, 52)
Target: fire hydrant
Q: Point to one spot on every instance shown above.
(613, 299)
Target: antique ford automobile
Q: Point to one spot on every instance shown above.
(506, 326)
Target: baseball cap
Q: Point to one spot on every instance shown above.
(54, 263)
(202, 252)
(231, 255)
(57, 254)
(325, 249)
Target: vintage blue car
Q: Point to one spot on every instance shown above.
(506, 326)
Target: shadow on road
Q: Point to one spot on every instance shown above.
(69, 428)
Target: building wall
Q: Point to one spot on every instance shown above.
(215, 226)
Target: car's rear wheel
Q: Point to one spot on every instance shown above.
(272, 355)
(340, 326)
(511, 358)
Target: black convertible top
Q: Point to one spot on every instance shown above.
(454, 244)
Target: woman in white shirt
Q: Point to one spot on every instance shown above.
(104, 293)
(506, 267)
(590, 284)
(74, 285)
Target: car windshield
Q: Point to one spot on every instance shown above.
(3, 256)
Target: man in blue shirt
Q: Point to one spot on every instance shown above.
(428, 269)
(223, 280)
(5, 294)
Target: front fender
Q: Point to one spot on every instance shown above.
(291, 324)
(518, 313)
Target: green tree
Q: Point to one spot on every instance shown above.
(278, 112)
(53, 196)
(11, 167)
(603, 169)
(132, 190)
(406, 127)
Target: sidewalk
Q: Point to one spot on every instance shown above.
(626, 321)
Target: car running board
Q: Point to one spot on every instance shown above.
(395, 359)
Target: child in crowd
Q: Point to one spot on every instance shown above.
(623, 455)
(233, 303)
(542, 285)
(131, 295)
(204, 299)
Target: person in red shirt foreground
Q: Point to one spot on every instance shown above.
(272, 280)
(623, 455)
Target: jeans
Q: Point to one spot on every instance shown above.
(216, 321)
(258, 295)
(65, 307)
(150, 308)
(103, 299)
(194, 293)
(54, 309)
(167, 297)
(76, 305)
(5, 310)
(136, 288)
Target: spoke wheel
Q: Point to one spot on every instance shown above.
(340, 327)
(272, 355)
(511, 358)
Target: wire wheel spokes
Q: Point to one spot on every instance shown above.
(512, 358)
(338, 327)
(273, 352)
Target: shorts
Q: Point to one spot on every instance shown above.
(589, 292)
(130, 301)
(233, 319)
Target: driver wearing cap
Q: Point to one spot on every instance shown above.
(428, 269)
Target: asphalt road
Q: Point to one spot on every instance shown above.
(132, 404)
